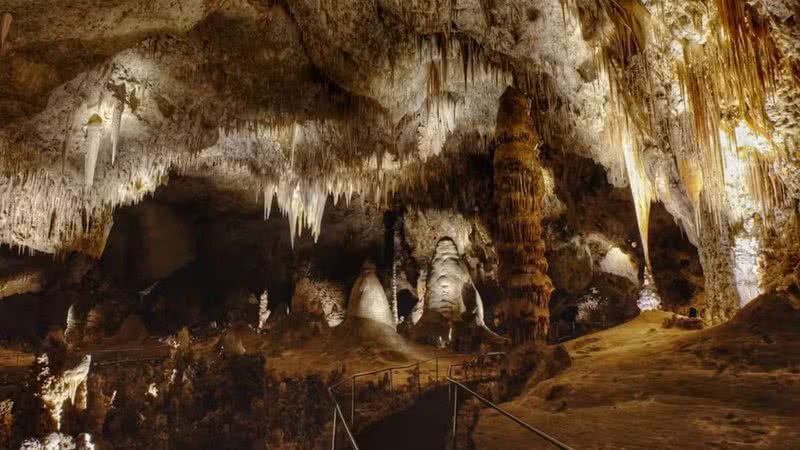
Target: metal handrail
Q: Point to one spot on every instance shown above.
(352, 379)
(408, 366)
(337, 413)
(477, 356)
(505, 413)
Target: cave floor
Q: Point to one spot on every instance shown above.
(641, 386)
(367, 348)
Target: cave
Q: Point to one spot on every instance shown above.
(393, 224)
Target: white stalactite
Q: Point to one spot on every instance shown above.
(116, 123)
(269, 194)
(94, 135)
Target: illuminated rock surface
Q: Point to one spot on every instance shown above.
(368, 299)
(163, 163)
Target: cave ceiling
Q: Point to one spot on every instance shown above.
(100, 102)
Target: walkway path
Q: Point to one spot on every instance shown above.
(421, 426)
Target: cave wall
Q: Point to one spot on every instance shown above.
(148, 242)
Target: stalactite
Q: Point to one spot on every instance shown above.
(732, 74)
(94, 134)
(629, 114)
(73, 332)
(725, 80)
(519, 191)
(627, 142)
(768, 191)
(436, 50)
(116, 123)
(57, 217)
(269, 195)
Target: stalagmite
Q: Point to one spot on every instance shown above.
(396, 244)
(71, 385)
(451, 292)
(649, 300)
(368, 299)
(73, 333)
(519, 191)
(6, 422)
(5, 28)
(263, 310)
(422, 286)
(94, 134)
(116, 123)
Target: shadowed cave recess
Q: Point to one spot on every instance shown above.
(217, 215)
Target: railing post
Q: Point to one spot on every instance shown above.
(437, 370)
(333, 439)
(353, 406)
(455, 415)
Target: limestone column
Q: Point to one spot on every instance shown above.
(519, 190)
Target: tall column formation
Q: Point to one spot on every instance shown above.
(519, 190)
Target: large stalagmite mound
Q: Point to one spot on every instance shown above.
(368, 299)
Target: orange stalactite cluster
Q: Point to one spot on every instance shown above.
(725, 81)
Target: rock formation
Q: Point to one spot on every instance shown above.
(263, 310)
(588, 160)
(519, 190)
(368, 298)
(451, 293)
(320, 299)
(58, 389)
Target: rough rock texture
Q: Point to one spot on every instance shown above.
(519, 190)
(693, 104)
(571, 266)
(319, 298)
